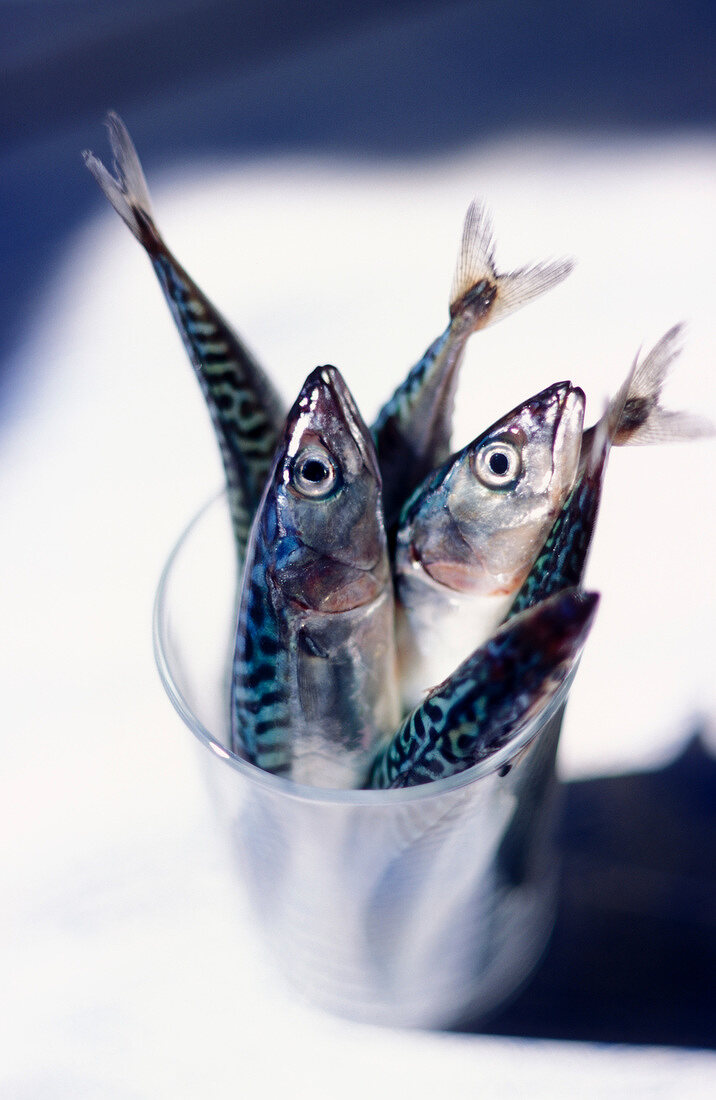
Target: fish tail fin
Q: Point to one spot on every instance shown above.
(127, 189)
(479, 291)
(475, 280)
(643, 420)
(596, 448)
(605, 433)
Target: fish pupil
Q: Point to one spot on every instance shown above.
(499, 462)
(315, 471)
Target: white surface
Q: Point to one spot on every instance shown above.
(130, 972)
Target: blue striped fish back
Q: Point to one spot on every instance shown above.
(260, 712)
(402, 465)
(479, 708)
(454, 723)
(397, 408)
(245, 409)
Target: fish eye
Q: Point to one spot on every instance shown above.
(314, 474)
(498, 463)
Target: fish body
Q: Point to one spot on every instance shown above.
(412, 430)
(470, 532)
(490, 698)
(246, 410)
(314, 686)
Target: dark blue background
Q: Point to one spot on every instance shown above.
(366, 78)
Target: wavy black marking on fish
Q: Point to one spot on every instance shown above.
(245, 409)
(412, 430)
(489, 699)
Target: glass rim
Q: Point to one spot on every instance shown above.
(302, 792)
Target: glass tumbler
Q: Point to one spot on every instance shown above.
(411, 907)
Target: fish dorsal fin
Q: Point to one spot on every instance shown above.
(476, 265)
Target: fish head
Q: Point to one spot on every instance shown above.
(479, 524)
(330, 551)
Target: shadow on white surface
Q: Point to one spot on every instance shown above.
(633, 953)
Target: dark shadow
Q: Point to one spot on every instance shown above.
(361, 78)
(633, 955)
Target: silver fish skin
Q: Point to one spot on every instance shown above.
(633, 416)
(490, 698)
(470, 533)
(412, 430)
(246, 411)
(314, 685)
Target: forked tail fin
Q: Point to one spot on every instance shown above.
(126, 190)
(643, 419)
(635, 416)
(479, 289)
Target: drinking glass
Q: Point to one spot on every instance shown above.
(410, 907)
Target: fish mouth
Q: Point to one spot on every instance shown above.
(552, 400)
(571, 400)
(562, 407)
(552, 404)
(567, 440)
